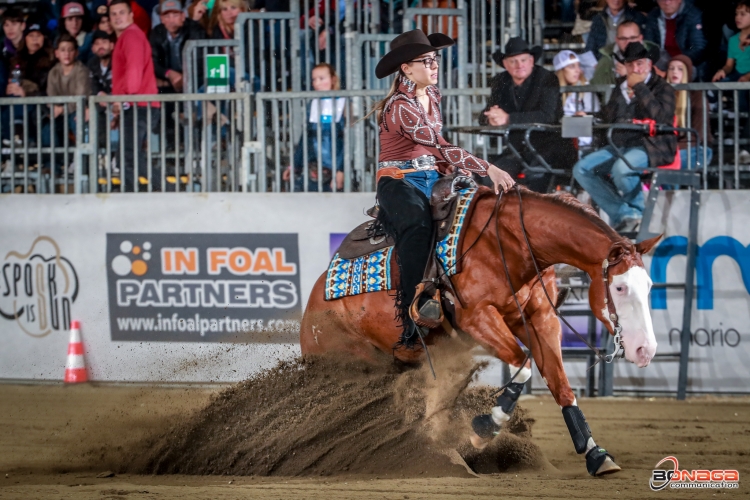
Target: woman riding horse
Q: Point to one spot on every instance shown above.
(413, 154)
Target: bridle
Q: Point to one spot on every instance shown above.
(619, 351)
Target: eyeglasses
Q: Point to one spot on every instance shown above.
(629, 38)
(428, 61)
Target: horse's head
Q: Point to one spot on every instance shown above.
(623, 304)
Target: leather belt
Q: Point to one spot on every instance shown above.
(424, 162)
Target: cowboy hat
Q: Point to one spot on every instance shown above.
(407, 46)
(636, 51)
(514, 47)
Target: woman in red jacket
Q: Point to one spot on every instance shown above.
(413, 154)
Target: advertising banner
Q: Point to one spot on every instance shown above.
(168, 287)
(211, 287)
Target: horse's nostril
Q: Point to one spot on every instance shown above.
(641, 352)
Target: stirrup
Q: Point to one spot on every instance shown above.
(430, 315)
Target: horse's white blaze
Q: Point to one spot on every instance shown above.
(630, 296)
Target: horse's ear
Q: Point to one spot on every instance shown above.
(646, 246)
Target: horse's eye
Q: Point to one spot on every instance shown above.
(619, 289)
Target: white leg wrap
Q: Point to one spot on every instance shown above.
(523, 376)
(499, 416)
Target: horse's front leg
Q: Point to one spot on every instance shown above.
(487, 327)
(545, 335)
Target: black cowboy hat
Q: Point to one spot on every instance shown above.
(514, 47)
(406, 47)
(636, 51)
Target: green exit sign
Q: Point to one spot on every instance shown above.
(217, 73)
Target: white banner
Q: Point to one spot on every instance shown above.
(720, 329)
(195, 287)
(168, 287)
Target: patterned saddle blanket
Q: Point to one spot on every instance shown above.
(372, 272)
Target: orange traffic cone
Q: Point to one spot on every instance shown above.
(75, 368)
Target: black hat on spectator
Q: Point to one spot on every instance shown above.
(407, 46)
(636, 51)
(517, 46)
(102, 34)
(33, 26)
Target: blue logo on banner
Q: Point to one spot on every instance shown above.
(707, 254)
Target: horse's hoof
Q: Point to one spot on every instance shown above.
(608, 467)
(599, 462)
(478, 442)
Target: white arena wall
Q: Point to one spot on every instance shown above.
(210, 287)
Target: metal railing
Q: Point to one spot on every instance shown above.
(193, 61)
(41, 144)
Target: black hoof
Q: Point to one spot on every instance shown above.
(595, 458)
(484, 426)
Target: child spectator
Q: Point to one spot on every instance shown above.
(34, 59)
(737, 67)
(568, 71)
(67, 78)
(681, 71)
(72, 15)
(13, 26)
(328, 114)
(101, 21)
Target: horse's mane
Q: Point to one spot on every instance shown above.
(568, 201)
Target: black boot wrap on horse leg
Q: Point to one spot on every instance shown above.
(507, 400)
(581, 435)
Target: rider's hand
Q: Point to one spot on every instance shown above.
(500, 179)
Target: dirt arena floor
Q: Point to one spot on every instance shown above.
(341, 431)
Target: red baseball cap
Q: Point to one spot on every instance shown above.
(72, 9)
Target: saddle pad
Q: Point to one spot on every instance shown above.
(447, 249)
(369, 273)
(372, 272)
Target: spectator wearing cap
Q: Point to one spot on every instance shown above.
(527, 93)
(604, 24)
(101, 20)
(641, 95)
(35, 59)
(569, 74)
(100, 74)
(72, 16)
(677, 27)
(141, 18)
(611, 67)
(132, 74)
(167, 41)
(14, 25)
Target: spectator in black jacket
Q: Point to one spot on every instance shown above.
(100, 65)
(604, 25)
(13, 26)
(641, 95)
(677, 27)
(100, 72)
(527, 93)
(167, 41)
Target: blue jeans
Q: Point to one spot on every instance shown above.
(625, 199)
(423, 180)
(696, 157)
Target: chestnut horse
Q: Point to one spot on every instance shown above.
(554, 229)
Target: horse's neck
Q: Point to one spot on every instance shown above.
(561, 234)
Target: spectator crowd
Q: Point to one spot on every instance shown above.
(122, 47)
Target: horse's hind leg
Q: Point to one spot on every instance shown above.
(546, 336)
(487, 327)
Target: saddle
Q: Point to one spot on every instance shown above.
(369, 237)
